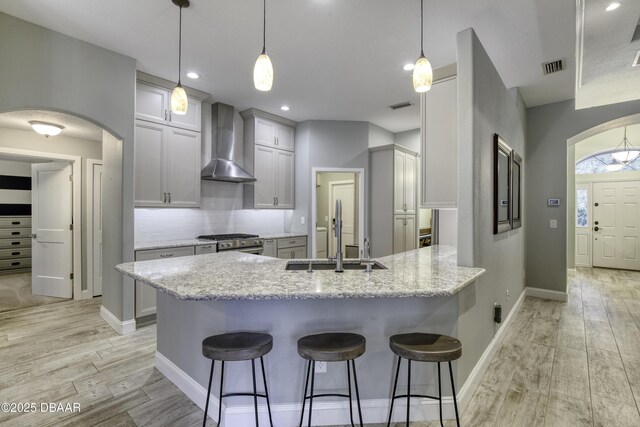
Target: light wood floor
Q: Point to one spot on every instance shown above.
(15, 293)
(561, 364)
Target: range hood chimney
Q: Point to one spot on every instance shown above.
(222, 167)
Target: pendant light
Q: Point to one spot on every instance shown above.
(422, 72)
(263, 70)
(45, 128)
(625, 152)
(179, 102)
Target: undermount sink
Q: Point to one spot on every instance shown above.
(323, 264)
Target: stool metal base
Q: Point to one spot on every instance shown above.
(311, 368)
(255, 393)
(408, 396)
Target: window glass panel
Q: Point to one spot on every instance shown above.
(598, 163)
(582, 209)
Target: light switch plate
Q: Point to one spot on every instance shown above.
(302, 220)
(553, 223)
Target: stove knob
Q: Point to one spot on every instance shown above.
(243, 243)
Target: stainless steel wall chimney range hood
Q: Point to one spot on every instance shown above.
(222, 167)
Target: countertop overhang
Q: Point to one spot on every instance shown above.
(425, 272)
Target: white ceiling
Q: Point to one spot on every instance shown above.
(333, 59)
(74, 127)
(605, 72)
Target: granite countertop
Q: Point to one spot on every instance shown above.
(426, 272)
(282, 235)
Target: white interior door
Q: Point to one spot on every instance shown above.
(96, 229)
(52, 246)
(616, 225)
(583, 225)
(345, 191)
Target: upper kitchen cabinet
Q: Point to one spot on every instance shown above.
(153, 104)
(439, 145)
(394, 184)
(167, 166)
(269, 156)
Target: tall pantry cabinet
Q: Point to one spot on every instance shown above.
(394, 189)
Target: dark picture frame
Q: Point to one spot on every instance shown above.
(502, 166)
(516, 190)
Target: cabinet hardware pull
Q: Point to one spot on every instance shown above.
(277, 201)
(15, 233)
(293, 254)
(15, 263)
(169, 197)
(165, 255)
(165, 115)
(274, 200)
(15, 223)
(170, 117)
(15, 253)
(15, 243)
(165, 198)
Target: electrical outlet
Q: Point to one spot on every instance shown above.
(302, 220)
(553, 223)
(321, 368)
(508, 294)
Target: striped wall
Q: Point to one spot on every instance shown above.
(15, 188)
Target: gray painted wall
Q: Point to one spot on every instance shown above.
(47, 70)
(327, 143)
(409, 139)
(548, 129)
(485, 107)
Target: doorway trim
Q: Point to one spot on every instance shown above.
(90, 225)
(314, 204)
(76, 167)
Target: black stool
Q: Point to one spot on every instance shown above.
(331, 347)
(424, 348)
(234, 347)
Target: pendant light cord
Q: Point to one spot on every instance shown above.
(180, 47)
(264, 26)
(421, 27)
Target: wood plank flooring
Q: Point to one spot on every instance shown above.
(574, 363)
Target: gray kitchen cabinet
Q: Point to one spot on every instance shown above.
(167, 166)
(153, 104)
(439, 145)
(146, 295)
(269, 156)
(270, 248)
(393, 183)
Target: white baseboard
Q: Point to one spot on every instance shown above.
(473, 380)
(547, 294)
(285, 415)
(120, 327)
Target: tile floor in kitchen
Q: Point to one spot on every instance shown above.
(561, 364)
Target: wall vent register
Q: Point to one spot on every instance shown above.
(553, 66)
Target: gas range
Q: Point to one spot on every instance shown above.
(250, 243)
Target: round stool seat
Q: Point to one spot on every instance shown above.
(426, 347)
(237, 346)
(331, 347)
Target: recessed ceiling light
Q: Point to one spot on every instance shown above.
(285, 108)
(408, 67)
(613, 6)
(193, 75)
(46, 129)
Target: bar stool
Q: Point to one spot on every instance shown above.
(235, 347)
(422, 347)
(331, 347)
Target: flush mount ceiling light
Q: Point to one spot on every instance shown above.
(285, 108)
(179, 102)
(625, 152)
(408, 67)
(46, 129)
(193, 75)
(263, 70)
(422, 72)
(613, 6)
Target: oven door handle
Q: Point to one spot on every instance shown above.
(255, 251)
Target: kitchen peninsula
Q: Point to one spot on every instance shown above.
(215, 293)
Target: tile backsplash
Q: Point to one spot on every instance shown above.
(220, 212)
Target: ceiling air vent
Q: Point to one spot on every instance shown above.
(401, 105)
(553, 66)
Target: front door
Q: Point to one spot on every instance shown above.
(52, 244)
(616, 225)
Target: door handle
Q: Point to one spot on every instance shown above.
(595, 229)
(596, 204)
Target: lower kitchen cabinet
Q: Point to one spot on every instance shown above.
(405, 237)
(145, 294)
(286, 248)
